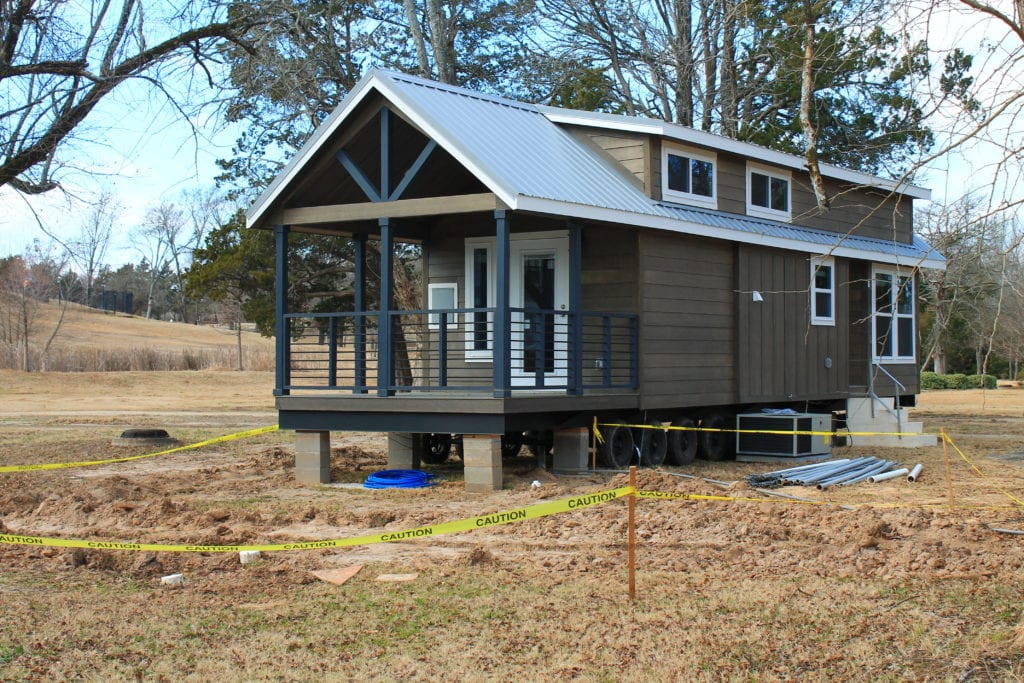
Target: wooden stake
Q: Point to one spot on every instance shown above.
(632, 533)
(949, 473)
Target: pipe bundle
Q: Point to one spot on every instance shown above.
(824, 474)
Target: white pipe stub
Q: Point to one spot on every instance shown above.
(173, 580)
(248, 556)
(915, 472)
(887, 475)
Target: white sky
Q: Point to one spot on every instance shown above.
(136, 144)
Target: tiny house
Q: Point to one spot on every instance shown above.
(579, 265)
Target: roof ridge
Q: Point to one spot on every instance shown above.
(459, 90)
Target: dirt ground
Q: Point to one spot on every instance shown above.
(892, 581)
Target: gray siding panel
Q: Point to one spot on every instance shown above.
(687, 333)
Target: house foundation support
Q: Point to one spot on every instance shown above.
(313, 457)
(572, 449)
(481, 455)
(404, 450)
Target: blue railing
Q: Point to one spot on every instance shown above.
(453, 349)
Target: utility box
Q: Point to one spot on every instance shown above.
(757, 442)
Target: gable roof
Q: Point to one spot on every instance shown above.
(522, 154)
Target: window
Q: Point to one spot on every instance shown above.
(768, 194)
(893, 319)
(823, 291)
(688, 176)
(479, 294)
(445, 297)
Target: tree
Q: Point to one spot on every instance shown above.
(157, 241)
(59, 60)
(235, 266)
(309, 55)
(89, 248)
(746, 70)
(26, 282)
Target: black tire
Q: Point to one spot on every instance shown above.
(682, 443)
(617, 449)
(511, 444)
(653, 445)
(436, 448)
(715, 446)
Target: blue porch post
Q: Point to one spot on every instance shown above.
(282, 364)
(502, 356)
(385, 357)
(575, 387)
(359, 307)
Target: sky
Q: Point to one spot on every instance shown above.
(139, 146)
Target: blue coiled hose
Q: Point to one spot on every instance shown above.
(399, 479)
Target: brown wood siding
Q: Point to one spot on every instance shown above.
(732, 184)
(687, 326)
(629, 151)
(781, 355)
(445, 262)
(862, 211)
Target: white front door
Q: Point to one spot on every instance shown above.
(539, 296)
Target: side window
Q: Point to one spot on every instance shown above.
(479, 295)
(823, 291)
(443, 296)
(893, 316)
(688, 176)
(768, 193)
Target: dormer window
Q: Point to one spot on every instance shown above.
(768, 193)
(688, 176)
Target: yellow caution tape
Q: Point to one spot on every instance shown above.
(89, 463)
(780, 432)
(661, 495)
(978, 471)
(495, 519)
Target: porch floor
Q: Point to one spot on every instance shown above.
(452, 412)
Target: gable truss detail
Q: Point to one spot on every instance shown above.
(382, 192)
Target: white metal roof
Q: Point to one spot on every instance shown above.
(521, 154)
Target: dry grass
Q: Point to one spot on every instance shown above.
(726, 590)
(91, 340)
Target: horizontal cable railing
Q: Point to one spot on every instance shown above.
(452, 350)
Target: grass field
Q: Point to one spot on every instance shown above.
(88, 339)
(900, 588)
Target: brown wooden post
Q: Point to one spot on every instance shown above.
(949, 473)
(632, 533)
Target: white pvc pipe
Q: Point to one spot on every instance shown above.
(887, 475)
(915, 473)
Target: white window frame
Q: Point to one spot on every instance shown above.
(897, 274)
(764, 211)
(433, 319)
(818, 262)
(474, 354)
(688, 197)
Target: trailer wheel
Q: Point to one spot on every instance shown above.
(511, 444)
(617, 449)
(715, 446)
(436, 448)
(682, 443)
(653, 445)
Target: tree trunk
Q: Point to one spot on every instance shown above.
(238, 338)
(416, 33)
(807, 122)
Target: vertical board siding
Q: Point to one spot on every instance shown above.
(687, 321)
(781, 355)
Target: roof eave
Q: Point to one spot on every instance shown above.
(550, 206)
(698, 137)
